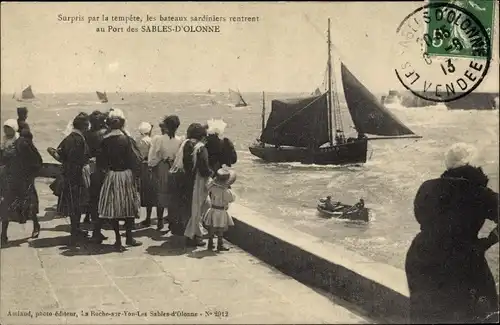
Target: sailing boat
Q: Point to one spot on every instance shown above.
(26, 94)
(209, 91)
(236, 98)
(103, 98)
(317, 92)
(309, 130)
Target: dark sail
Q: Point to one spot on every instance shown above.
(236, 97)
(102, 97)
(368, 114)
(27, 93)
(297, 122)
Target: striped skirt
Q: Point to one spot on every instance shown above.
(119, 198)
(162, 182)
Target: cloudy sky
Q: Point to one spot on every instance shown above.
(284, 51)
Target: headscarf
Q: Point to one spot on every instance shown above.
(196, 131)
(216, 126)
(116, 119)
(12, 124)
(145, 128)
(9, 141)
(459, 155)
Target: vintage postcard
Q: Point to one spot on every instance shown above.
(249, 162)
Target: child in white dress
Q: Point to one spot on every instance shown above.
(217, 219)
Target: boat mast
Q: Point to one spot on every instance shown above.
(330, 101)
(263, 112)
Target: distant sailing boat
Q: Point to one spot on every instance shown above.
(236, 98)
(103, 98)
(209, 91)
(302, 130)
(26, 94)
(317, 92)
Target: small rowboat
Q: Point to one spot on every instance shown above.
(344, 211)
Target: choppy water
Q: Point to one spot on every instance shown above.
(387, 182)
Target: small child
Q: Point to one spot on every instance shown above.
(217, 219)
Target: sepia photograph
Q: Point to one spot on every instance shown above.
(272, 162)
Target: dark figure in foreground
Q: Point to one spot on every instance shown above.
(19, 201)
(448, 275)
(187, 181)
(94, 137)
(119, 196)
(220, 149)
(74, 154)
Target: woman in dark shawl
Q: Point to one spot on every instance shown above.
(119, 198)
(220, 149)
(20, 199)
(74, 153)
(188, 179)
(98, 129)
(448, 275)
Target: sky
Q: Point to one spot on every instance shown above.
(284, 52)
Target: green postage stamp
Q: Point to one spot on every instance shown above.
(453, 34)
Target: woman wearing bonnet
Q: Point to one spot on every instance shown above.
(147, 188)
(448, 275)
(119, 198)
(220, 150)
(160, 159)
(19, 198)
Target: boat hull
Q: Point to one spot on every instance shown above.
(353, 152)
(50, 170)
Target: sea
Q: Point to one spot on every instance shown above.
(387, 182)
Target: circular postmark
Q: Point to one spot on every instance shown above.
(443, 52)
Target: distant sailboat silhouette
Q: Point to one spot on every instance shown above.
(317, 92)
(26, 94)
(236, 98)
(209, 91)
(103, 98)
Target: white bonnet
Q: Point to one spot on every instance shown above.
(116, 112)
(145, 128)
(12, 124)
(459, 154)
(216, 126)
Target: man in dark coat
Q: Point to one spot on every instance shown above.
(448, 275)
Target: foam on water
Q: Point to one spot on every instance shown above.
(289, 191)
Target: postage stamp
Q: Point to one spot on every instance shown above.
(458, 31)
(444, 50)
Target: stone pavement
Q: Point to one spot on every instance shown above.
(161, 282)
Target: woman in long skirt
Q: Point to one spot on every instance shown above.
(189, 177)
(21, 159)
(119, 198)
(160, 159)
(147, 186)
(74, 154)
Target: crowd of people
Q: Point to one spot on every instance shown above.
(108, 175)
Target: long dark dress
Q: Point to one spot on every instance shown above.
(74, 154)
(181, 188)
(94, 139)
(448, 275)
(20, 198)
